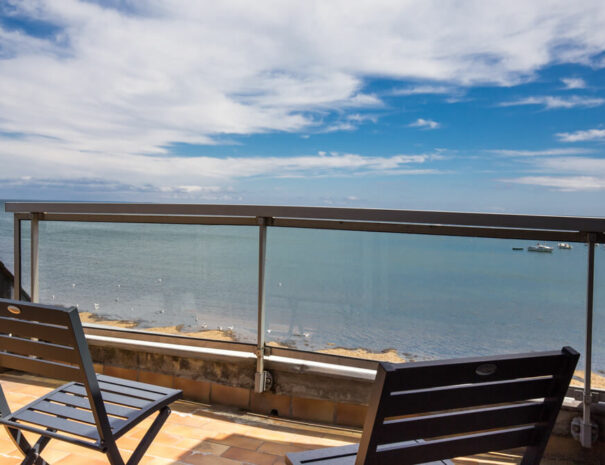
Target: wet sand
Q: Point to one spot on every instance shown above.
(597, 381)
(387, 355)
(218, 335)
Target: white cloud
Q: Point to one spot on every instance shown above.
(361, 118)
(566, 174)
(424, 124)
(563, 183)
(586, 166)
(424, 89)
(574, 83)
(112, 85)
(582, 136)
(551, 102)
(181, 173)
(539, 153)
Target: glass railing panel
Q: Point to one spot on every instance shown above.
(414, 297)
(198, 281)
(26, 256)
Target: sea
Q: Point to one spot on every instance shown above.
(426, 297)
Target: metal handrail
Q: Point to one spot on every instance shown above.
(494, 220)
(463, 224)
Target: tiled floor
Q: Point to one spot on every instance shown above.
(194, 434)
(198, 434)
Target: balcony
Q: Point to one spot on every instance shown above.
(203, 434)
(241, 333)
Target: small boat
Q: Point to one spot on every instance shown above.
(565, 245)
(539, 248)
(517, 248)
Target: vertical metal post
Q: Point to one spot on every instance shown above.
(259, 377)
(17, 258)
(35, 228)
(586, 427)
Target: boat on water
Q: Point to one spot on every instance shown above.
(539, 248)
(517, 248)
(564, 245)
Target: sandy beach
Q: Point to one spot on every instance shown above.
(387, 355)
(218, 335)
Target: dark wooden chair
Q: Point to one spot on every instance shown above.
(429, 411)
(91, 410)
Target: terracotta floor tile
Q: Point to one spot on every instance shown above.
(166, 452)
(277, 448)
(76, 459)
(196, 458)
(249, 456)
(280, 460)
(10, 460)
(187, 419)
(210, 447)
(243, 442)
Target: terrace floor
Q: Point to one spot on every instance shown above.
(200, 434)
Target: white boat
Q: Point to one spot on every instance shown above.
(564, 245)
(539, 248)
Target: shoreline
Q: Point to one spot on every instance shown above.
(386, 355)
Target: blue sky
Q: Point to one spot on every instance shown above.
(474, 106)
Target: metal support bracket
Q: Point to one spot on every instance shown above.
(260, 377)
(585, 433)
(586, 428)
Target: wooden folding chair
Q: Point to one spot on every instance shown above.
(91, 410)
(430, 411)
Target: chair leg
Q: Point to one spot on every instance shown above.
(113, 454)
(31, 453)
(154, 429)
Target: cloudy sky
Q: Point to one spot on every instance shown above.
(460, 105)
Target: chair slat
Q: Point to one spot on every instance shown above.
(41, 350)
(73, 413)
(135, 384)
(130, 392)
(60, 424)
(458, 422)
(109, 397)
(25, 329)
(82, 402)
(332, 456)
(60, 410)
(423, 375)
(465, 396)
(40, 367)
(36, 312)
(456, 446)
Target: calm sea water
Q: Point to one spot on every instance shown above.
(425, 296)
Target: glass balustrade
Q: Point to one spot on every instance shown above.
(191, 280)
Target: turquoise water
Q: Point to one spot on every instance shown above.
(426, 296)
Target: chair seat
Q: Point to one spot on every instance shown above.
(342, 455)
(67, 409)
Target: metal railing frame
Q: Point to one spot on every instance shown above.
(488, 225)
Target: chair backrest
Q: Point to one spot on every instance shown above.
(50, 342)
(426, 411)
